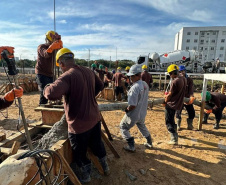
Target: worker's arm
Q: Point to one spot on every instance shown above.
(132, 99)
(216, 102)
(4, 104)
(42, 51)
(56, 90)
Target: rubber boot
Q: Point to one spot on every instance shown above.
(104, 164)
(85, 174)
(190, 122)
(173, 139)
(205, 118)
(178, 124)
(217, 125)
(130, 147)
(148, 144)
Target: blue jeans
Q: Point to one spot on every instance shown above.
(42, 81)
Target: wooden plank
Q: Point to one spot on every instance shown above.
(105, 127)
(15, 147)
(7, 151)
(95, 161)
(40, 126)
(51, 117)
(68, 170)
(2, 136)
(110, 145)
(48, 109)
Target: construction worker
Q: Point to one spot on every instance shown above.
(93, 66)
(107, 77)
(127, 82)
(218, 102)
(101, 72)
(189, 106)
(136, 110)
(44, 68)
(9, 97)
(79, 85)
(174, 101)
(145, 76)
(117, 79)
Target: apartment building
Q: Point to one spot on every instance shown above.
(209, 41)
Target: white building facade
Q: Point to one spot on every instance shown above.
(209, 41)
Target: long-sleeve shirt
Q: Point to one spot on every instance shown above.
(101, 73)
(147, 77)
(44, 65)
(217, 99)
(79, 85)
(4, 104)
(190, 88)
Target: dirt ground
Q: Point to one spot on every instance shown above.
(200, 157)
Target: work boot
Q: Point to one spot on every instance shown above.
(104, 164)
(173, 139)
(85, 174)
(130, 147)
(189, 122)
(205, 118)
(148, 144)
(178, 124)
(216, 126)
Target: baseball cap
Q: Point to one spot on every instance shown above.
(136, 68)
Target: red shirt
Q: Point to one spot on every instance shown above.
(147, 77)
(44, 65)
(79, 85)
(117, 78)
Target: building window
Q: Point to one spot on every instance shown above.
(213, 41)
(189, 33)
(188, 40)
(221, 55)
(187, 48)
(212, 48)
(214, 33)
(207, 41)
(221, 48)
(201, 41)
(196, 33)
(207, 33)
(201, 48)
(222, 40)
(202, 33)
(205, 48)
(195, 40)
(224, 33)
(200, 56)
(195, 48)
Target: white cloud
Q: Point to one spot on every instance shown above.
(62, 22)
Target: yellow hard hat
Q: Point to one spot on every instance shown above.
(172, 67)
(119, 68)
(49, 35)
(127, 68)
(144, 67)
(61, 52)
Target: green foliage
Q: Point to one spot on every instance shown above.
(26, 63)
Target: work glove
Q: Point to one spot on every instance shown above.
(14, 93)
(126, 110)
(192, 99)
(58, 44)
(208, 111)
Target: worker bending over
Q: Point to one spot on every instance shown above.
(44, 68)
(79, 85)
(174, 101)
(136, 110)
(218, 102)
(189, 93)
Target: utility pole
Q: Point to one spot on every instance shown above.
(54, 17)
(110, 63)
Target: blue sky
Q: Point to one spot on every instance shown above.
(109, 28)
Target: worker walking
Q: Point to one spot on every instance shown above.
(218, 102)
(174, 101)
(107, 77)
(136, 110)
(189, 106)
(44, 68)
(127, 82)
(9, 97)
(147, 77)
(79, 86)
(117, 79)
